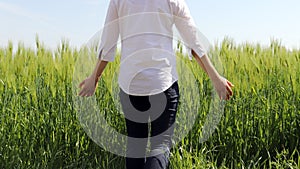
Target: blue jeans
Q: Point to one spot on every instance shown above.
(155, 115)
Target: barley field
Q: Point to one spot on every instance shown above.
(259, 128)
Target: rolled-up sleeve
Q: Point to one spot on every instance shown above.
(187, 27)
(110, 34)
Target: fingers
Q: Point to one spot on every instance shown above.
(82, 93)
(87, 88)
(225, 97)
(226, 92)
(229, 83)
(229, 90)
(228, 97)
(81, 84)
(85, 93)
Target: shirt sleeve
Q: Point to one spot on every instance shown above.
(110, 34)
(187, 27)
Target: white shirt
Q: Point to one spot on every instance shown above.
(148, 61)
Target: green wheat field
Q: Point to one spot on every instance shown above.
(260, 126)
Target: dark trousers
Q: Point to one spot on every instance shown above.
(154, 115)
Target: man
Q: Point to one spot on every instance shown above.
(148, 76)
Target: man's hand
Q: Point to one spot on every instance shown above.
(222, 85)
(223, 88)
(88, 87)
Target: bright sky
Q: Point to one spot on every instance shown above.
(78, 20)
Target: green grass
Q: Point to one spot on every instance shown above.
(260, 127)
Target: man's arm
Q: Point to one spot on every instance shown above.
(101, 64)
(199, 61)
(189, 33)
(107, 51)
(222, 85)
(205, 63)
(89, 85)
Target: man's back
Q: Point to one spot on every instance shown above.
(148, 62)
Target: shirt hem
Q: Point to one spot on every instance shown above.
(150, 94)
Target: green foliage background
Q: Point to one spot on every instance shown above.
(260, 127)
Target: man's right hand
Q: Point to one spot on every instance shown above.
(88, 87)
